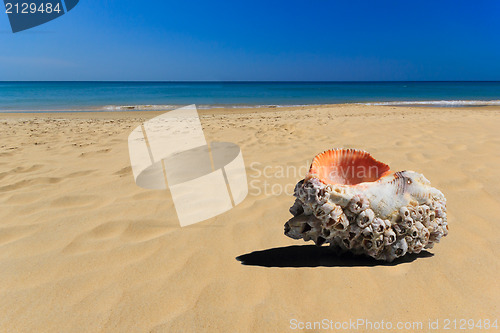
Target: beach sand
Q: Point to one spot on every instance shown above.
(83, 249)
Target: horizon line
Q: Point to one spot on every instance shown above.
(241, 81)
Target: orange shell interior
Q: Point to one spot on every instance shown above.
(347, 167)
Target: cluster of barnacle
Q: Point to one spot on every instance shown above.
(326, 215)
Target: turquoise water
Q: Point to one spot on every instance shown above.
(88, 96)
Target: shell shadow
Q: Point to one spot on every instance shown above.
(314, 256)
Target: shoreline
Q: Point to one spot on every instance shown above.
(244, 110)
(168, 107)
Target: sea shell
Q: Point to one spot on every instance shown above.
(356, 203)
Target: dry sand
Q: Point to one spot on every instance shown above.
(83, 249)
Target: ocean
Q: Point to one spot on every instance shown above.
(119, 96)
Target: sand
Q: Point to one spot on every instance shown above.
(83, 249)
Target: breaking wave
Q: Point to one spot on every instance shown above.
(444, 103)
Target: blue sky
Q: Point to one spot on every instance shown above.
(259, 40)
